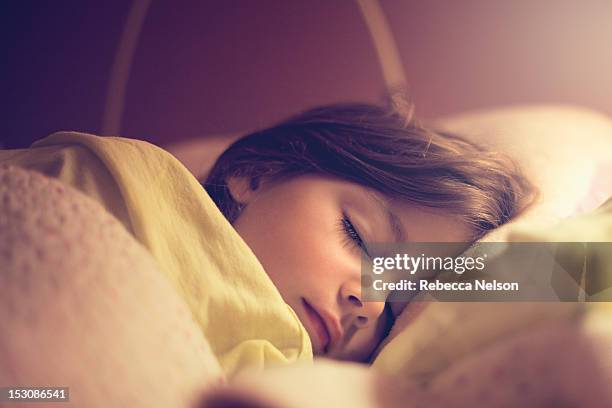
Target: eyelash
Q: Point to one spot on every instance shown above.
(351, 234)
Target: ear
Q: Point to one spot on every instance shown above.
(242, 189)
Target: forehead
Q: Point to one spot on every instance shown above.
(416, 223)
(431, 225)
(421, 224)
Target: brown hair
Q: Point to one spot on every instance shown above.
(381, 149)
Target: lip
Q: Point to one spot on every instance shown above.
(327, 329)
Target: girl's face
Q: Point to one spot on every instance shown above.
(308, 233)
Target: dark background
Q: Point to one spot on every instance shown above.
(210, 67)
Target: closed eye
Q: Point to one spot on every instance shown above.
(352, 234)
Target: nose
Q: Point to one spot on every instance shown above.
(357, 311)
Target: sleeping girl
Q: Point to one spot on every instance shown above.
(309, 194)
(271, 271)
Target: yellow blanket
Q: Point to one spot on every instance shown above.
(237, 306)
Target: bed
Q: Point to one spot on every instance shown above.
(100, 317)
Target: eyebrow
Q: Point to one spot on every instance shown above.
(396, 227)
(392, 219)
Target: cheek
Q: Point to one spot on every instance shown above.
(305, 259)
(294, 243)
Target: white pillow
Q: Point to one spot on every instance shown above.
(565, 151)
